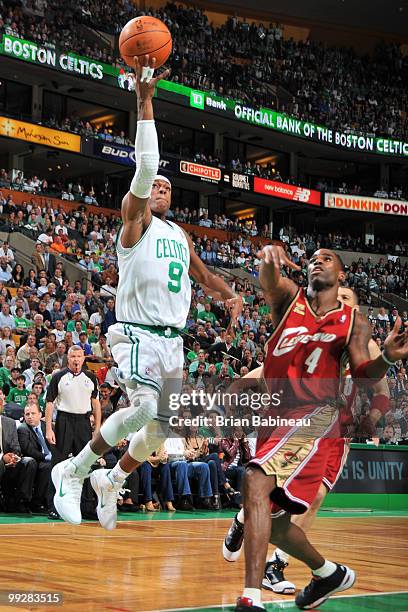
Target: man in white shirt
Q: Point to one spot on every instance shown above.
(59, 331)
(6, 252)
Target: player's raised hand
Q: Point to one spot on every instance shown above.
(235, 306)
(276, 255)
(145, 84)
(396, 343)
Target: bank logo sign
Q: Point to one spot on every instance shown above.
(197, 99)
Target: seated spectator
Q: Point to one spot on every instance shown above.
(31, 436)
(23, 353)
(100, 349)
(83, 343)
(197, 447)
(6, 337)
(105, 391)
(6, 319)
(17, 473)
(58, 357)
(22, 324)
(18, 395)
(388, 435)
(183, 467)
(49, 348)
(5, 373)
(236, 455)
(157, 464)
(31, 372)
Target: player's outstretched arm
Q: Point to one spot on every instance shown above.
(278, 291)
(367, 371)
(136, 214)
(380, 401)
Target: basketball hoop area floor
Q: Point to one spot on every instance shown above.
(173, 562)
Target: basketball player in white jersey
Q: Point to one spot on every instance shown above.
(155, 259)
(274, 579)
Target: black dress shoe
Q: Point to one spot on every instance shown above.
(90, 516)
(204, 504)
(128, 508)
(38, 509)
(21, 507)
(54, 516)
(185, 505)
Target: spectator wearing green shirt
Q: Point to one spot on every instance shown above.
(263, 309)
(193, 354)
(76, 316)
(19, 394)
(5, 371)
(225, 362)
(22, 324)
(207, 315)
(38, 389)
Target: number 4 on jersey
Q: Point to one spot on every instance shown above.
(313, 360)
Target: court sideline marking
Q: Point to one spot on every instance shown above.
(279, 601)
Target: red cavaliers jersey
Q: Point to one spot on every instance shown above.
(304, 353)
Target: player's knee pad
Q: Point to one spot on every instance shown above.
(148, 440)
(142, 410)
(144, 405)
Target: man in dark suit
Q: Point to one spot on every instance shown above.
(17, 474)
(50, 261)
(224, 348)
(31, 435)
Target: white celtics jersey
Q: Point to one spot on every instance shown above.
(154, 286)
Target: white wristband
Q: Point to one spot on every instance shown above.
(387, 361)
(147, 74)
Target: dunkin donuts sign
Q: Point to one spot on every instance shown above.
(366, 204)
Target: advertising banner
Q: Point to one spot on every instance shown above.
(124, 155)
(366, 204)
(30, 132)
(67, 61)
(208, 174)
(236, 180)
(374, 471)
(286, 191)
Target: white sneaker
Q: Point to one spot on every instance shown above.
(68, 489)
(107, 492)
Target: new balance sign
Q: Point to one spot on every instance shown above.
(205, 173)
(287, 192)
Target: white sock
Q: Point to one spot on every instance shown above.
(255, 595)
(84, 460)
(327, 569)
(241, 517)
(117, 474)
(279, 553)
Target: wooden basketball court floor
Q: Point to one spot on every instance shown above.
(157, 562)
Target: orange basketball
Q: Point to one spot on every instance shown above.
(143, 35)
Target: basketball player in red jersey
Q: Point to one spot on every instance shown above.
(312, 330)
(274, 579)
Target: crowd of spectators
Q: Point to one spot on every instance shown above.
(42, 314)
(242, 60)
(84, 192)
